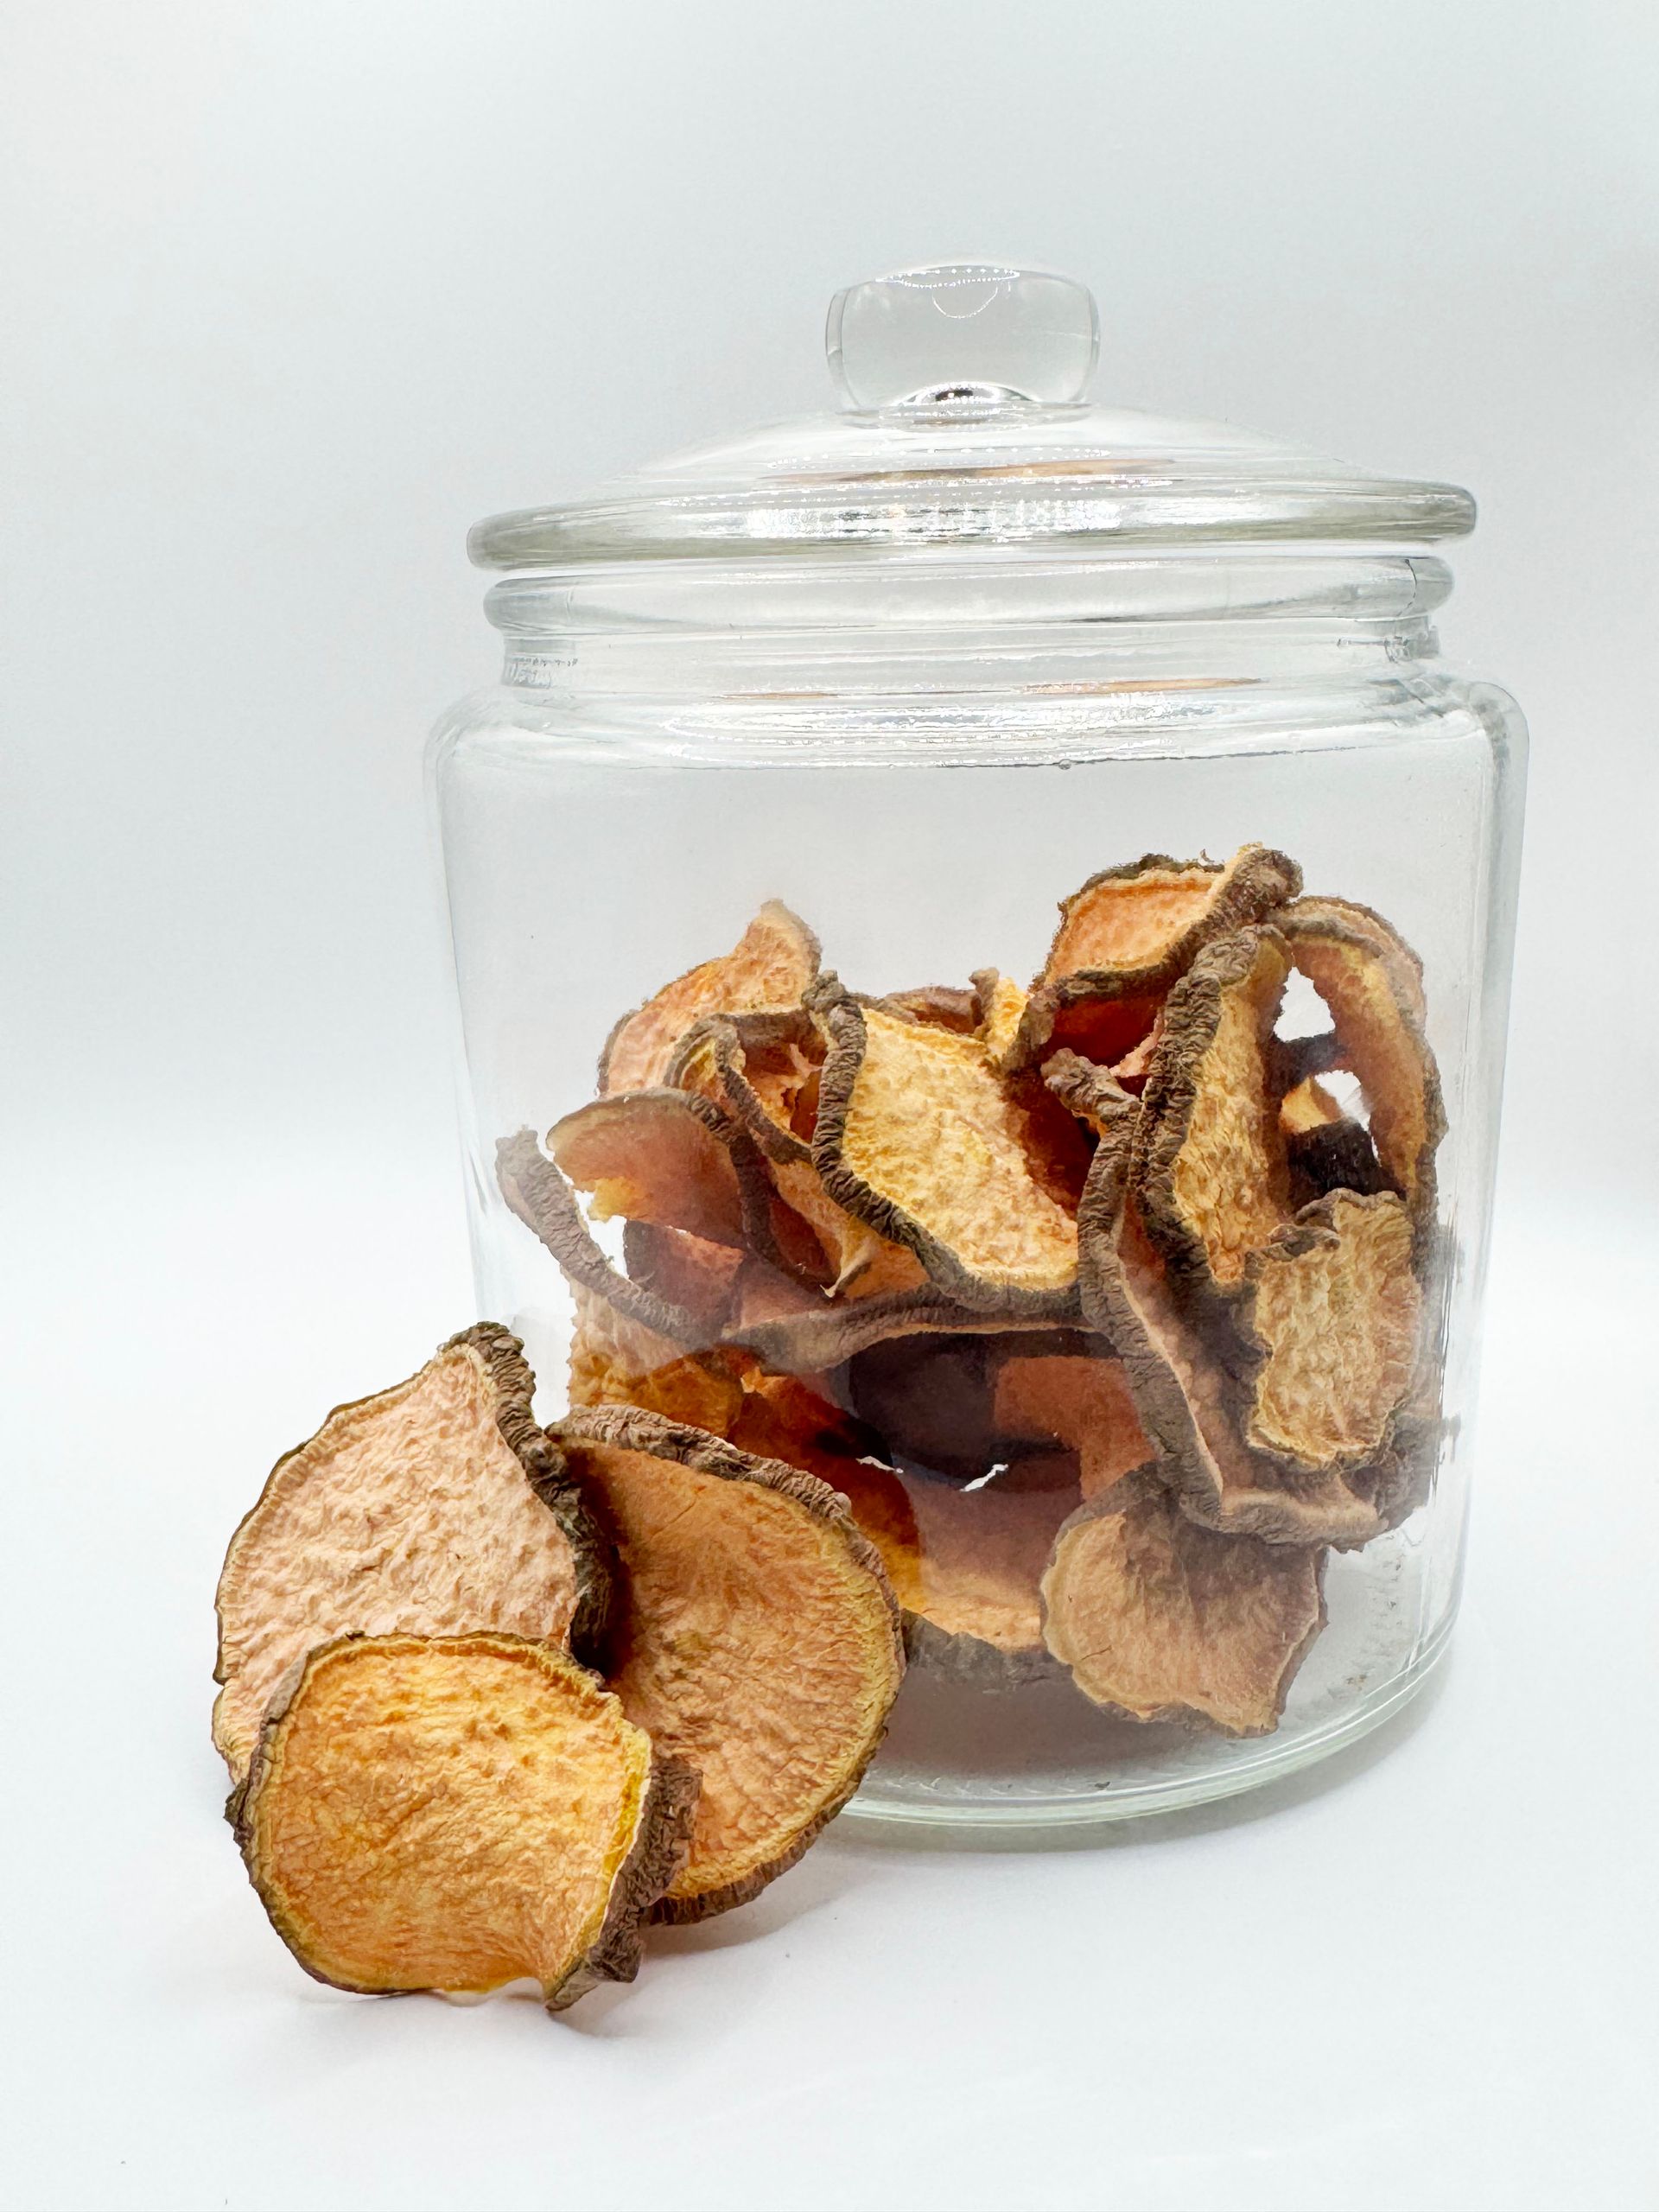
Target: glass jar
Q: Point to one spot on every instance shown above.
(1126, 1277)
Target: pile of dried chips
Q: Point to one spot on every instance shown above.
(1030, 1332)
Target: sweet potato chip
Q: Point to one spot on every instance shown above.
(756, 1068)
(668, 1157)
(455, 1812)
(1161, 1620)
(946, 1005)
(411, 1510)
(1129, 934)
(759, 1639)
(1000, 1006)
(1084, 1401)
(609, 1351)
(973, 1594)
(1209, 1170)
(1333, 1311)
(1187, 1401)
(768, 970)
(684, 1270)
(1372, 984)
(918, 1135)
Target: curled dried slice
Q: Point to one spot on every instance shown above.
(1000, 1006)
(1161, 1620)
(537, 1192)
(1334, 1312)
(973, 1592)
(455, 1812)
(684, 1270)
(1129, 933)
(1209, 1170)
(768, 970)
(1187, 1401)
(1371, 982)
(757, 1070)
(758, 1641)
(1082, 1399)
(795, 1330)
(919, 1136)
(668, 1157)
(946, 1005)
(411, 1510)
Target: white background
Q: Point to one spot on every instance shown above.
(293, 293)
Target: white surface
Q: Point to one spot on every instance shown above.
(294, 292)
(1427, 1975)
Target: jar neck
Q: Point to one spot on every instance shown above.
(969, 626)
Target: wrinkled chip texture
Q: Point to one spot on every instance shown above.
(1336, 1308)
(918, 1135)
(1162, 1620)
(772, 964)
(458, 1813)
(411, 1510)
(758, 1641)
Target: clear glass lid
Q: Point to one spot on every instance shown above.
(965, 421)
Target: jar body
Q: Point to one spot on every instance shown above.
(598, 844)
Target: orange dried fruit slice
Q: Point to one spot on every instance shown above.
(457, 1813)
(435, 1506)
(919, 1136)
(668, 1157)
(1159, 1619)
(758, 1640)
(767, 971)
(1083, 1400)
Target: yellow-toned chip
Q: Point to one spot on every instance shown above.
(1371, 982)
(918, 1135)
(768, 970)
(1209, 1170)
(1188, 1400)
(1161, 1620)
(1001, 1004)
(411, 1510)
(1334, 1312)
(759, 1642)
(1128, 934)
(456, 1813)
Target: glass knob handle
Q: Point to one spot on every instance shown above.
(962, 331)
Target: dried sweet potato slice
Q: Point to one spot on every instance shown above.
(455, 1812)
(437, 1505)
(1161, 1620)
(974, 1594)
(946, 1005)
(1082, 1399)
(759, 1642)
(668, 1157)
(684, 1270)
(1209, 1170)
(768, 970)
(1187, 1401)
(1372, 984)
(1129, 933)
(919, 1136)
(756, 1068)
(1000, 1006)
(537, 1192)
(1334, 1312)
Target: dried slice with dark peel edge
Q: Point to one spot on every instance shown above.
(767, 971)
(437, 1505)
(457, 1813)
(746, 1067)
(537, 1192)
(1161, 1620)
(684, 1270)
(759, 1641)
(1208, 1172)
(1333, 1313)
(946, 1005)
(1372, 984)
(1187, 1401)
(668, 1157)
(797, 1330)
(1129, 933)
(999, 1008)
(1083, 1400)
(973, 1596)
(918, 1137)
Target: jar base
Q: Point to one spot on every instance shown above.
(1039, 1759)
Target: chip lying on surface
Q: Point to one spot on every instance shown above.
(456, 1813)
(1161, 1620)
(758, 1641)
(411, 1510)
(770, 967)
(918, 1135)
